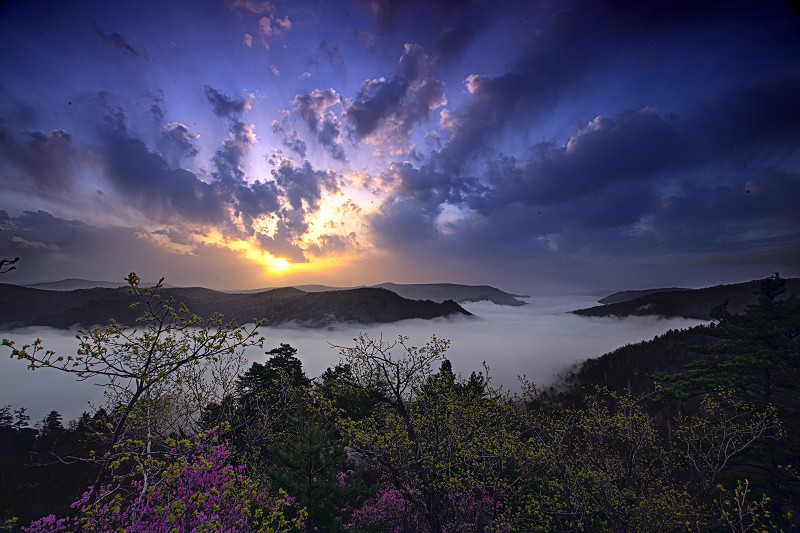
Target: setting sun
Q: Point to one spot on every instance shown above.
(279, 264)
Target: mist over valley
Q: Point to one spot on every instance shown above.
(540, 340)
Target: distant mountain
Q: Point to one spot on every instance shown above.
(439, 292)
(687, 303)
(72, 284)
(24, 306)
(626, 296)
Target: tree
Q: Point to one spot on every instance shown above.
(21, 418)
(199, 490)
(7, 265)
(439, 447)
(6, 419)
(51, 425)
(143, 370)
(755, 355)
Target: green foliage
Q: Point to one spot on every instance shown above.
(754, 357)
(432, 438)
(309, 463)
(149, 372)
(600, 468)
(757, 353)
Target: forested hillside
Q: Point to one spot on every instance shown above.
(695, 430)
(686, 303)
(23, 306)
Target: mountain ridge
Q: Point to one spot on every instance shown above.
(436, 292)
(23, 306)
(687, 303)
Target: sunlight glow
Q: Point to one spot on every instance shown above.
(279, 264)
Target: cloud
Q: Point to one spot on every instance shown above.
(177, 143)
(334, 244)
(118, 41)
(271, 26)
(313, 108)
(146, 182)
(334, 56)
(224, 105)
(302, 185)
(641, 182)
(387, 109)
(290, 139)
(451, 25)
(229, 159)
(253, 6)
(171, 206)
(36, 161)
(157, 107)
(72, 248)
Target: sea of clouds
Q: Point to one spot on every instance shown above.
(540, 340)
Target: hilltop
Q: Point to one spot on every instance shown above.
(686, 303)
(25, 306)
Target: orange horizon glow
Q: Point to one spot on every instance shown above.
(275, 266)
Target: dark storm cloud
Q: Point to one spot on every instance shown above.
(633, 147)
(452, 41)
(178, 143)
(33, 158)
(534, 83)
(398, 103)
(313, 108)
(303, 186)
(377, 99)
(147, 182)
(643, 178)
(118, 41)
(258, 7)
(428, 187)
(228, 160)
(224, 105)
(329, 134)
(258, 198)
(150, 182)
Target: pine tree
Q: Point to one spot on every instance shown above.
(21, 418)
(755, 355)
(52, 425)
(6, 419)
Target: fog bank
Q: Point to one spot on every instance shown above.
(540, 340)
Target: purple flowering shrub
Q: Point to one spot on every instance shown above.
(386, 511)
(389, 511)
(198, 490)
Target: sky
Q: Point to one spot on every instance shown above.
(532, 145)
